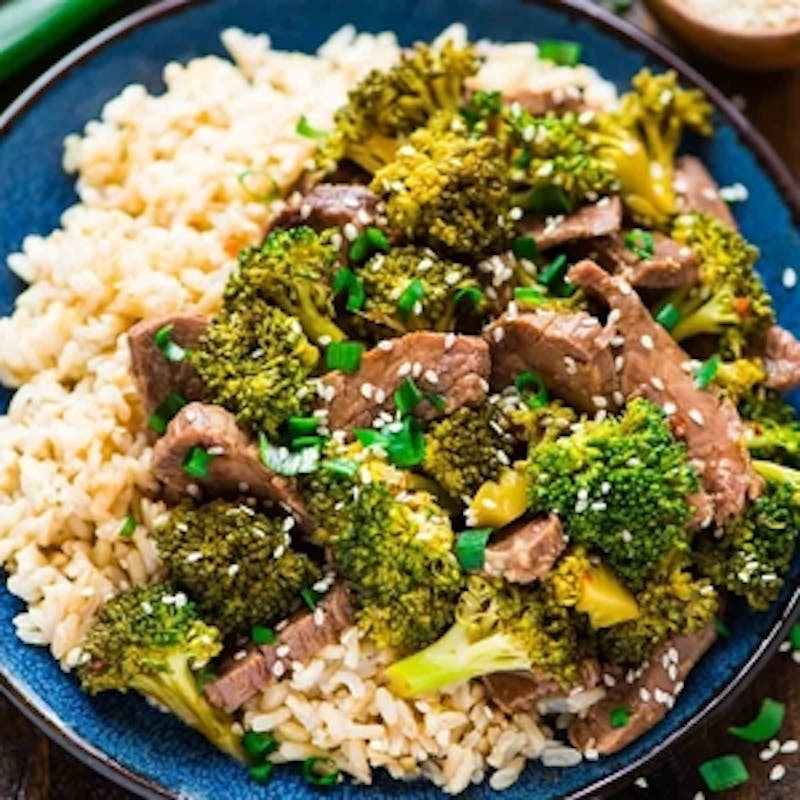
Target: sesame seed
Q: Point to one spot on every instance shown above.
(324, 340)
(618, 397)
(244, 487)
(239, 655)
(699, 796)
(350, 232)
(233, 569)
(678, 687)
(609, 680)
(498, 334)
(644, 695)
(194, 557)
(515, 213)
(591, 754)
(404, 369)
(670, 408)
(613, 316)
(657, 383)
(319, 616)
(619, 363)
(796, 656)
(626, 536)
(278, 551)
(785, 647)
(617, 341)
(416, 369)
(672, 672)
(599, 401)
(696, 417)
(641, 783)
(790, 746)
(777, 773)
(646, 340)
(386, 345)
(281, 625)
(789, 278)
(282, 651)
(367, 390)
(278, 669)
(431, 376)
(569, 365)
(449, 341)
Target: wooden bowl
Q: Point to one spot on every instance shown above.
(751, 50)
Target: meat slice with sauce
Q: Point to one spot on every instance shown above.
(652, 365)
(698, 191)
(329, 205)
(455, 367)
(236, 468)
(598, 219)
(156, 376)
(305, 635)
(780, 351)
(571, 352)
(647, 698)
(526, 550)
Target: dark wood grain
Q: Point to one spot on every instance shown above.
(31, 768)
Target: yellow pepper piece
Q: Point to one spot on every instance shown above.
(605, 599)
(497, 503)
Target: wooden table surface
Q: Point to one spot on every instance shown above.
(31, 768)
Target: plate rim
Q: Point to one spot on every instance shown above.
(37, 710)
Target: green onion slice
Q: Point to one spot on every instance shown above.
(794, 636)
(127, 528)
(407, 396)
(470, 548)
(341, 466)
(310, 598)
(528, 295)
(196, 462)
(640, 243)
(170, 349)
(369, 437)
(471, 293)
(160, 418)
(619, 717)
(302, 442)
(550, 200)
(305, 128)
(707, 372)
(205, 676)
(721, 628)
(403, 442)
(284, 461)
(259, 745)
(553, 273)
(668, 316)
(532, 388)
(259, 185)
(261, 773)
(525, 247)
(320, 771)
(621, 6)
(723, 773)
(261, 634)
(301, 426)
(765, 726)
(372, 240)
(436, 400)
(412, 294)
(348, 282)
(565, 54)
(344, 356)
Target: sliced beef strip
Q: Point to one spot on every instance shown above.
(235, 470)
(648, 698)
(305, 635)
(571, 352)
(652, 366)
(598, 219)
(154, 375)
(329, 205)
(456, 367)
(672, 264)
(698, 191)
(538, 102)
(526, 550)
(780, 351)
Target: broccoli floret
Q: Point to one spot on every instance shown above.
(739, 378)
(773, 434)
(672, 602)
(293, 269)
(730, 302)
(236, 563)
(619, 485)
(389, 104)
(255, 361)
(150, 639)
(756, 548)
(450, 192)
(468, 447)
(499, 627)
(536, 424)
(413, 276)
(641, 139)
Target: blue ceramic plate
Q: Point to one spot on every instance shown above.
(121, 736)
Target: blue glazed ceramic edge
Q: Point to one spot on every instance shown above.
(40, 712)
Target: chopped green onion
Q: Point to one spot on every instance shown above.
(471, 293)
(403, 442)
(372, 240)
(525, 247)
(170, 349)
(621, 6)
(565, 54)
(197, 461)
(260, 634)
(205, 676)
(640, 243)
(668, 316)
(553, 273)
(721, 628)
(528, 295)
(261, 773)
(407, 396)
(344, 356)
(765, 726)
(127, 528)
(341, 466)
(523, 160)
(348, 282)
(723, 773)
(436, 400)
(707, 372)
(549, 200)
(302, 442)
(259, 745)
(305, 128)
(247, 178)
(532, 388)
(369, 437)
(619, 717)
(310, 598)
(285, 462)
(412, 294)
(794, 636)
(470, 548)
(301, 426)
(320, 771)
(165, 412)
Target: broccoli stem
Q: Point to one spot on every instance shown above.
(777, 473)
(315, 324)
(177, 690)
(453, 659)
(710, 318)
